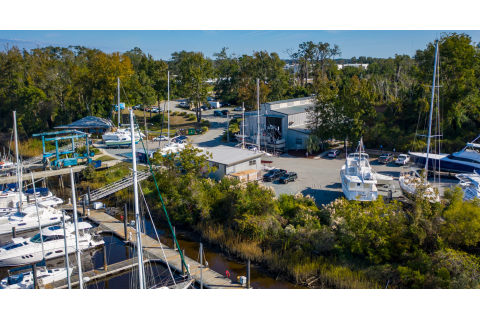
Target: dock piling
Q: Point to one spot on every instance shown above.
(248, 274)
(88, 191)
(14, 232)
(183, 265)
(83, 211)
(125, 221)
(174, 241)
(35, 279)
(105, 265)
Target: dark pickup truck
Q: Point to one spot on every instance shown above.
(288, 177)
(386, 158)
(273, 175)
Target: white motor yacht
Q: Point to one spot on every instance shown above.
(10, 198)
(28, 219)
(172, 148)
(49, 201)
(358, 179)
(25, 280)
(22, 251)
(115, 136)
(470, 183)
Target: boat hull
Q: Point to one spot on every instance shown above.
(441, 162)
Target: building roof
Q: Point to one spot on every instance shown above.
(301, 128)
(293, 109)
(88, 122)
(230, 155)
(291, 100)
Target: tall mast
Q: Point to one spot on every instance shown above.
(67, 264)
(74, 200)
(118, 100)
(137, 215)
(19, 170)
(168, 103)
(38, 217)
(243, 124)
(258, 115)
(431, 107)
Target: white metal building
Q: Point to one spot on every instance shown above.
(290, 116)
(230, 160)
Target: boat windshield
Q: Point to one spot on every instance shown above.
(12, 280)
(36, 238)
(19, 214)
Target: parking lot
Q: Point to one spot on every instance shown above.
(321, 178)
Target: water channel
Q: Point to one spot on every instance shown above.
(117, 251)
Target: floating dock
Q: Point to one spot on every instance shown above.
(152, 250)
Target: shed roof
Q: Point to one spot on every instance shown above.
(230, 155)
(88, 122)
(301, 128)
(291, 100)
(243, 173)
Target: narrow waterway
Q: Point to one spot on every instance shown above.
(117, 251)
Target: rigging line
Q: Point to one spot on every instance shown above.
(163, 204)
(156, 234)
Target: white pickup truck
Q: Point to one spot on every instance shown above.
(402, 159)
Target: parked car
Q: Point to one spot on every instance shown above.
(224, 104)
(155, 110)
(204, 108)
(333, 153)
(225, 112)
(288, 177)
(136, 107)
(385, 158)
(274, 174)
(160, 138)
(183, 105)
(217, 113)
(402, 159)
(239, 108)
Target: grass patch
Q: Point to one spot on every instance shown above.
(105, 158)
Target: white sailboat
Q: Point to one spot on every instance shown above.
(470, 184)
(358, 179)
(410, 183)
(25, 280)
(27, 219)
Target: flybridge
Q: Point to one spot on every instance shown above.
(476, 145)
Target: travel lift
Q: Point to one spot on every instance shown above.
(73, 160)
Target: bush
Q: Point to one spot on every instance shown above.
(157, 119)
(192, 117)
(206, 123)
(183, 114)
(175, 113)
(204, 129)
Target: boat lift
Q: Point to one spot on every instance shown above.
(73, 160)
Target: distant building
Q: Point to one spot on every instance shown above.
(289, 116)
(89, 124)
(355, 65)
(230, 160)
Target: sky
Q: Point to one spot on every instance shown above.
(161, 44)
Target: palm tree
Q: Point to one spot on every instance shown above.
(312, 144)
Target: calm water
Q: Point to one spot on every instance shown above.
(155, 273)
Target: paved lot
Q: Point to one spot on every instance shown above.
(321, 178)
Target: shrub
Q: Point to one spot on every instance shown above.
(204, 129)
(175, 113)
(206, 123)
(192, 117)
(183, 114)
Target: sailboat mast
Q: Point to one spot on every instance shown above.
(168, 104)
(38, 216)
(137, 215)
(431, 107)
(74, 200)
(19, 188)
(67, 264)
(243, 124)
(118, 101)
(258, 115)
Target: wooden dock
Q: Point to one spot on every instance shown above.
(97, 273)
(153, 251)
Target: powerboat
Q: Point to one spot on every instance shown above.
(465, 161)
(22, 251)
(358, 178)
(28, 219)
(49, 201)
(10, 198)
(25, 280)
(123, 140)
(172, 147)
(410, 182)
(470, 184)
(115, 136)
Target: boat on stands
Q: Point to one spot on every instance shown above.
(358, 178)
(470, 184)
(25, 280)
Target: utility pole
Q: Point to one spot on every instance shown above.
(228, 133)
(67, 264)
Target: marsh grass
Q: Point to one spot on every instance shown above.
(297, 266)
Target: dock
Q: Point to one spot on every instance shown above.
(113, 269)
(50, 173)
(152, 250)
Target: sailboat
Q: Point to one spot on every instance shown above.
(410, 183)
(358, 179)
